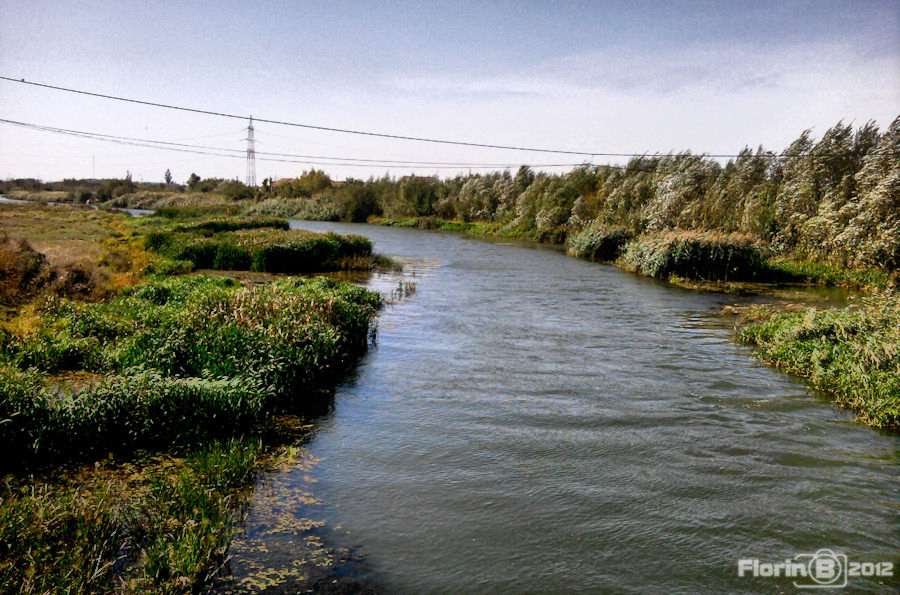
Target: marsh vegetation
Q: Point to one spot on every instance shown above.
(141, 357)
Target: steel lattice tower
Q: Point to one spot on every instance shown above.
(251, 156)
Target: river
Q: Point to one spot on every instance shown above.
(534, 422)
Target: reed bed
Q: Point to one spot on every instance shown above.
(851, 353)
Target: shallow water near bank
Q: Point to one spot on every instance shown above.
(532, 422)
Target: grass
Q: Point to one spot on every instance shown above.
(167, 530)
(66, 250)
(829, 275)
(262, 245)
(195, 212)
(853, 353)
(215, 225)
(39, 195)
(695, 255)
(182, 359)
(178, 204)
(156, 361)
(294, 208)
(483, 229)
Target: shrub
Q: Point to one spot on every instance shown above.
(599, 243)
(23, 270)
(694, 255)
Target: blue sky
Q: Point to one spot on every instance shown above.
(601, 76)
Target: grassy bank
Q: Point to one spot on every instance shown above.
(165, 528)
(853, 354)
(144, 359)
(67, 251)
(257, 244)
(677, 255)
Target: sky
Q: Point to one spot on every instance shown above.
(600, 77)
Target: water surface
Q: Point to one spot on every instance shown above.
(534, 422)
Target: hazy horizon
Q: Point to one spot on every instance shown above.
(601, 76)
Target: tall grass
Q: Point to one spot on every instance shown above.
(829, 275)
(219, 224)
(852, 353)
(695, 255)
(259, 249)
(602, 243)
(165, 533)
(182, 358)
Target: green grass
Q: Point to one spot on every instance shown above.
(829, 275)
(194, 212)
(262, 248)
(295, 208)
(210, 226)
(472, 228)
(166, 532)
(180, 359)
(853, 353)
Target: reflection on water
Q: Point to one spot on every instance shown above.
(533, 422)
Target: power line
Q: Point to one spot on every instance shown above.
(278, 154)
(309, 126)
(591, 154)
(185, 148)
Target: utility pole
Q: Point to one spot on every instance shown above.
(251, 156)
(93, 167)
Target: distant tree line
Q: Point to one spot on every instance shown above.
(836, 198)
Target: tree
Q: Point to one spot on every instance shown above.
(168, 177)
(193, 181)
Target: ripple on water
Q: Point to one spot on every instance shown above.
(532, 422)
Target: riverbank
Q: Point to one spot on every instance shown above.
(174, 381)
(614, 411)
(851, 353)
(719, 260)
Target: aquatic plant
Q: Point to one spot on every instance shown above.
(695, 255)
(163, 531)
(599, 242)
(260, 249)
(851, 353)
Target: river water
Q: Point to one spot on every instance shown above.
(534, 422)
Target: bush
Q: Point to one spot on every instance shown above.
(694, 255)
(599, 243)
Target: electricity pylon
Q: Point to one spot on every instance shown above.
(251, 156)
